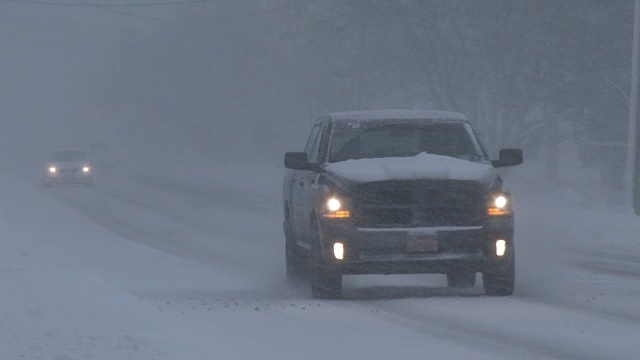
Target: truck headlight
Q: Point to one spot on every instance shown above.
(499, 204)
(334, 208)
(333, 204)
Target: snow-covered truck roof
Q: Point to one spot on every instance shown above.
(373, 115)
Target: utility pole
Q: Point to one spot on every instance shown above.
(359, 62)
(631, 176)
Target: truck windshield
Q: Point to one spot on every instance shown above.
(380, 139)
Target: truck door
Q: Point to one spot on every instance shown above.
(300, 213)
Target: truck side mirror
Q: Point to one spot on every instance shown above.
(508, 157)
(296, 161)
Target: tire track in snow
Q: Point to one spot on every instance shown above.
(623, 265)
(471, 333)
(114, 212)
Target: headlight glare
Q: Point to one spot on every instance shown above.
(501, 202)
(53, 169)
(333, 204)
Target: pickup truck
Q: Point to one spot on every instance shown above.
(397, 192)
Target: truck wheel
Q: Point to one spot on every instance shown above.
(293, 263)
(500, 281)
(461, 279)
(325, 284)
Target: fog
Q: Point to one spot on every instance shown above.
(50, 57)
(229, 81)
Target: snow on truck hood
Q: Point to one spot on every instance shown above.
(421, 166)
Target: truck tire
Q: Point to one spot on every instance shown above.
(293, 262)
(500, 281)
(325, 284)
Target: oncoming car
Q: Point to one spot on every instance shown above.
(68, 167)
(398, 192)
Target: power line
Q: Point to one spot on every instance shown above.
(112, 5)
(193, 21)
(111, 8)
(144, 17)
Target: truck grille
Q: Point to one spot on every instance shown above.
(413, 203)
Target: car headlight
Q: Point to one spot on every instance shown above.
(334, 208)
(53, 170)
(86, 169)
(499, 204)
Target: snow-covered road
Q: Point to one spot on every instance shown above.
(158, 269)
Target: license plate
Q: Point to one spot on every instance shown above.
(419, 244)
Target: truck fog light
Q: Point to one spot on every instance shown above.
(501, 247)
(338, 251)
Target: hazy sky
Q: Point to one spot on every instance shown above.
(242, 78)
(48, 58)
(56, 60)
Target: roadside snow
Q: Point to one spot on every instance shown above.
(64, 281)
(56, 313)
(421, 166)
(74, 290)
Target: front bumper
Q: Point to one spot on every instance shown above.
(386, 250)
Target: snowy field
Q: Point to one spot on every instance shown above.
(156, 267)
